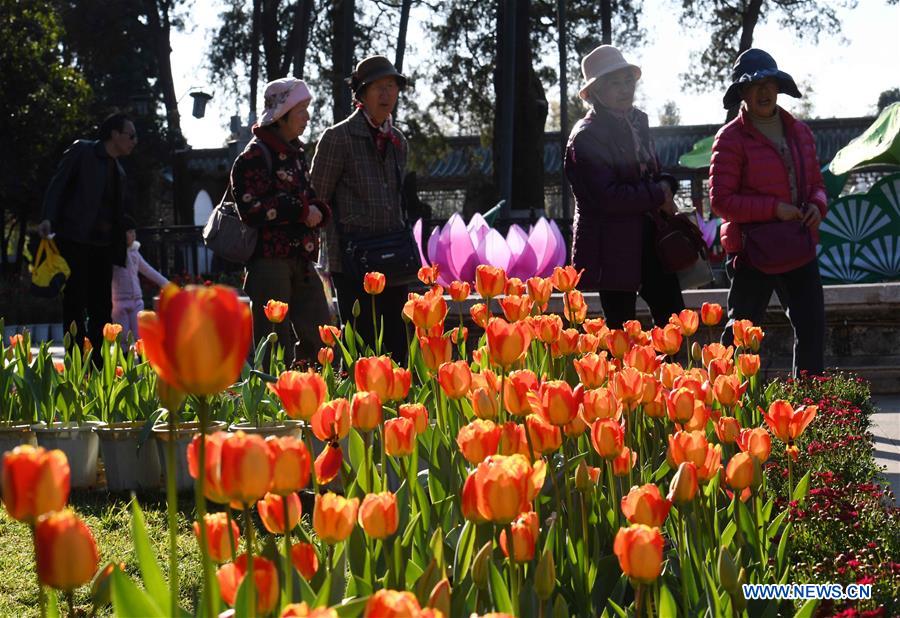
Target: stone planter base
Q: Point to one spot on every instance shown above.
(129, 464)
(284, 428)
(183, 434)
(80, 444)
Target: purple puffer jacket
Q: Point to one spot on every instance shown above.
(125, 282)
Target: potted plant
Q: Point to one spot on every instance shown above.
(14, 429)
(130, 406)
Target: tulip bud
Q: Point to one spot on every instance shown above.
(356, 310)
(100, 587)
(481, 566)
(696, 352)
(439, 598)
(728, 571)
(583, 477)
(545, 577)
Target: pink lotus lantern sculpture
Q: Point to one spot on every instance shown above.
(458, 248)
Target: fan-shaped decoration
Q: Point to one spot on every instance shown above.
(854, 218)
(836, 263)
(889, 187)
(880, 256)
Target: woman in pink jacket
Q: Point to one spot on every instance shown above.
(764, 181)
(127, 296)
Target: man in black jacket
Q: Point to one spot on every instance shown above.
(84, 206)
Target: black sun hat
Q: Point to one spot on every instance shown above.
(752, 66)
(374, 68)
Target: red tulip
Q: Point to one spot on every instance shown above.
(246, 467)
(290, 464)
(711, 313)
(275, 311)
(35, 481)
(332, 420)
(65, 549)
(219, 542)
(265, 578)
(271, 512)
(301, 393)
(490, 281)
(375, 373)
(373, 283)
(305, 559)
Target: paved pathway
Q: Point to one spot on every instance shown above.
(886, 429)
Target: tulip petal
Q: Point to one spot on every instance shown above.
(417, 234)
(524, 260)
(463, 259)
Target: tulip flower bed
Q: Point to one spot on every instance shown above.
(550, 467)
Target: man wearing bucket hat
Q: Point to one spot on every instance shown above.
(614, 173)
(764, 181)
(270, 185)
(358, 168)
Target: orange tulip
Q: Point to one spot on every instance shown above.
(525, 532)
(588, 344)
(265, 578)
(628, 386)
(365, 410)
(639, 549)
(490, 281)
(455, 379)
(400, 385)
(246, 467)
(699, 418)
(666, 340)
(516, 308)
(373, 283)
(334, 517)
(565, 278)
(271, 512)
(325, 356)
(513, 440)
(716, 350)
(374, 373)
(748, 364)
(623, 463)
(556, 402)
(539, 291)
(111, 332)
(305, 559)
(668, 372)
(643, 358)
(417, 413)
(478, 440)
(429, 274)
(601, 403)
(608, 438)
(547, 328)
(576, 312)
(329, 334)
(516, 387)
(378, 515)
(514, 287)
(650, 388)
(66, 552)
(711, 313)
(469, 501)
(645, 505)
(739, 472)
(692, 446)
(505, 487)
(332, 420)
(198, 339)
(788, 424)
(218, 540)
(757, 442)
(683, 488)
(545, 438)
(728, 429)
(102, 582)
(459, 335)
(592, 369)
(301, 393)
(212, 487)
(566, 344)
(290, 464)
(392, 604)
(35, 481)
(680, 405)
(399, 437)
(275, 311)
(720, 367)
(484, 403)
(479, 313)
(687, 321)
(435, 351)
(728, 390)
(460, 290)
(427, 310)
(635, 332)
(507, 343)
(328, 463)
(657, 407)
(302, 610)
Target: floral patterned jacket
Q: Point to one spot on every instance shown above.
(276, 201)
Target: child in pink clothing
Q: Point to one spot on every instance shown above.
(127, 298)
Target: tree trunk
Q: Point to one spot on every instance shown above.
(401, 43)
(254, 57)
(342, 57)
(159, 33)
(563, 103)
(295, 48)
(271, 46)
(606, 22)
(505, 78)
(749, 20)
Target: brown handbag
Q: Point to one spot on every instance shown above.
(679, 243)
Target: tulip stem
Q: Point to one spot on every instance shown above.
(612, 492)
(307, 434)
(41, 598)
(250, 578)
(513, 570)
(502, 388)
(231, 540)
(200, 497)
(375, 327)
(410, 479)
(70, 603)
(288, 567)
(172, 507)
(367, 463)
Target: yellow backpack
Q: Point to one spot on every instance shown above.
(49, 271)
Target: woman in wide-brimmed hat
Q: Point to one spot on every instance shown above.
(270, 185)
(358, 168)
(764, 181)
(614, 173)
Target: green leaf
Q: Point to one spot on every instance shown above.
(667, 605)
(307, 594)
(782, 547)
(807, 609)
(52, 603)
(151, 572)
(711, 595)
(324, 592)
(499, 591)
(242, 599)
(130, 601)
(618, 610)
(773, 528)
(338, 580)
(352, 607)
(799, 493)
(465, 548)
(728, 533)
(356, 547)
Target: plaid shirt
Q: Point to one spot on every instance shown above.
(361, 185)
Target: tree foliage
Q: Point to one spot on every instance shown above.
(669, 115)
(887, 97)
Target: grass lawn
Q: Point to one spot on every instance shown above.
(109, 518)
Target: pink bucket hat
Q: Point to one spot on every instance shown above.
(602, 61)
(281, 96)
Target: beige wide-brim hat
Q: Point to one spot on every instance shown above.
(602, 61)
(281, 96)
